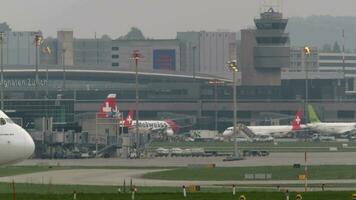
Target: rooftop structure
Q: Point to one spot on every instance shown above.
(265, 50)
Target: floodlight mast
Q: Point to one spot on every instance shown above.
(232, 66)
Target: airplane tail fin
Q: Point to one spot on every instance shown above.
(108, 108)
(129, 118)
(175, 127)
(297, 120)
(313, 117)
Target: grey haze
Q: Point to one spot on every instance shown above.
(156, 18)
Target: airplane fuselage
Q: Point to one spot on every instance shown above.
(332, 127)
(262, 130)
(279, 131)
(270, 130)
(154, 125)
(15, 143)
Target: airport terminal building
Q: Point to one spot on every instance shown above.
(177, 77)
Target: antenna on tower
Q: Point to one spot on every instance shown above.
(275, 5)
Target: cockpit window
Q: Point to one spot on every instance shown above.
(2, 121)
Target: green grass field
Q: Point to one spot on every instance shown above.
(190, 196)
(323, 172)
(66, 189)
(237, 173)
(16, 170)
(299, 146)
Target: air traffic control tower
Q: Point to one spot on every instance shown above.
(265, 50)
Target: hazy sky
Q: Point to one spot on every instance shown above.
(157, 18)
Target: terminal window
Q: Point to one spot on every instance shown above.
(115, 64)
(115, 48)
(342, 114)
(115, 56)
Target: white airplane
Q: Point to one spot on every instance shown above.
(169, 126)
(328, 128)
(15, 143)
(109, 109)
(272, 130)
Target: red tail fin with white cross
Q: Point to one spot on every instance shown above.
(129, 118)
(297, 120)
(108, 109)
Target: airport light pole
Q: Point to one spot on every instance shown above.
(136, 56)
(346, 84)
(64, 69)
(48, 51)
(2, 69)
(194, 70)
(38, 42)
(47, 86)
(216, 82)
(307, 52)
(232, 66)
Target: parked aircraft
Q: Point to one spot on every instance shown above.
(279, 130)
(170, 127)
(15, 143)
(109, 109)
(328, 127)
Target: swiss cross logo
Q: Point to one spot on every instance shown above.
(129, 119)
(107, 107)
(297, 119)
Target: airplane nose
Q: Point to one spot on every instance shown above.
(29, 146)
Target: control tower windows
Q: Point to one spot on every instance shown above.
(272, 40)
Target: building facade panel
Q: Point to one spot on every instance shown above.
(337, 62)
(92, 52)
(271, 57)
(65, 52)
(300, 62)
(208, 52)
(19, 48)
(122, 51)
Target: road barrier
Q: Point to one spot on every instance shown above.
(258, 176)
(193, 188)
